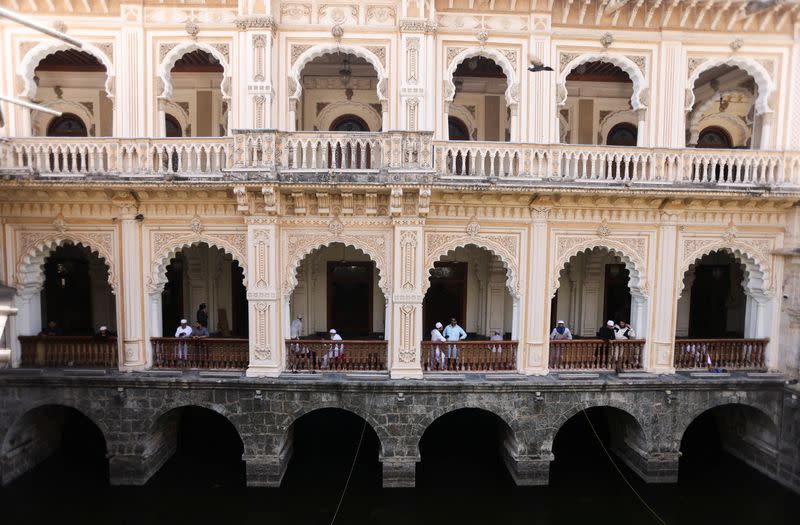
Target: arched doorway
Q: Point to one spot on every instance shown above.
(71, 81)
(717, 319)
(714, 137)
(196, 79)
(172, 126)
(457, 130)
(54, 446)
(465, 448)
(349, 124)
(67, 125)
(338, 289)
(480, 86)
(597, 90)
(339, 93)
(202, 275)
(595, 287)
(204, 450)
(468, 289)
(330, 446)
(622, 135)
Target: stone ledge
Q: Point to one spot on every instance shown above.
(220, 373)
(710, 375)
(583, 375)
(84, 372)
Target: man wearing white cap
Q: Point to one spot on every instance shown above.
(607, 334)
(183, 331)
(437, 356)
(335, 351)
(103, 333)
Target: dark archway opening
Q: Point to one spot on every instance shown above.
(465, 449)
(325, 446)
(622, 135)
(717, 300)
(208, 450)
(67, 125)
(457, 130)
(349, 124)
(714, 137)
(59, 447)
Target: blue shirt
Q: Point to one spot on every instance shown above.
(454, 333)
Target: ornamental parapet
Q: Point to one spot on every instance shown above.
(310, 157)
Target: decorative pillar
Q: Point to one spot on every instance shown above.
(266, 350)
(130, 291)
(130, 106)
(406, 300)
(542, 109)
(660, 344)
(765, 139)
(536, 344)
(671, 117)
(256, 42)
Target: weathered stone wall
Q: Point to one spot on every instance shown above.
(138, 417)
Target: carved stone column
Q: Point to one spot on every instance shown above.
(542, 110)
(130, 292)
(266, 350)
(538, 298)
(671, 120)
(130, 107)
(406, 300)
(256, 41)
(661, 338)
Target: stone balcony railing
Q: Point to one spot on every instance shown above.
(394, 156)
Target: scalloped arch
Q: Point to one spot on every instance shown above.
(329, 49)
(175, 54)
(32, 58)
(766, 86)
(30, 269)
(637, 280)
(499, 58)
(313, 244)
(158, 275)
(756, 275)
(337, 109)
(495, 248)
(621, 61)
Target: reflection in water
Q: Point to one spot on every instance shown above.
(461, 481)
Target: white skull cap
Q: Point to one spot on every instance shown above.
(610, 323)
(333, 331)
(438, 325)
(560, 322)
(184, 321)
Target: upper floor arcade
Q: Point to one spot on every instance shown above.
(679, 75)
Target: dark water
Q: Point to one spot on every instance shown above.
(461, 480)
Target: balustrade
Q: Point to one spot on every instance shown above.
(469, 356)
(202, 353)
(68, 351)
(313, 152)
(324, 355)
(731, 354)
(596, 354)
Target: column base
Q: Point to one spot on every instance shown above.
(263, 371)
(399, 472)
(529, 471)
(535, 371)
(266, 471)
(405, 373)
(658, 467)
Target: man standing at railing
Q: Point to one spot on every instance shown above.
(607, 334)
(559, 333)
(296, 332)
(437, 356)
(183, 331)
(335, 351)
(453, 332)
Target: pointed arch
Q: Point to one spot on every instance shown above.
(308, 244)
(637, 279)
(638, 98)
(168, 250)
(177, 52)
(756, 272)
(766, 86)
(328, 49)
(30, 265)
(507, 258)
(512, 87)
(32, 58)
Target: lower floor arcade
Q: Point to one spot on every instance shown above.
(465, 441)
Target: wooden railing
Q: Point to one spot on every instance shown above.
(741, 354)
(596, 354)
(202, 353)
(68, 351)
(324, 355)
(469, 356)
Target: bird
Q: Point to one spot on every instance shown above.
(536, 67)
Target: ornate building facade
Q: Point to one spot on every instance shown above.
(380, 165)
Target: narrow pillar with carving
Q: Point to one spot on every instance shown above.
(661, 340)
(406, 300)
(536, 344)
(131, 292)
(262, 299)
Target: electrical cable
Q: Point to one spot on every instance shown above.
(352, 467)
(622, 475)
